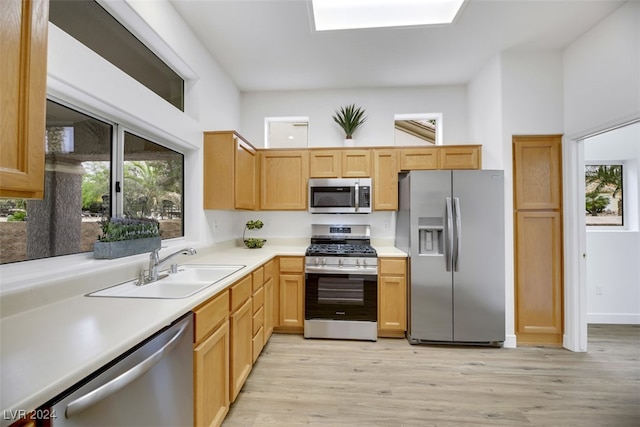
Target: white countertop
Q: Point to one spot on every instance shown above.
(46, 350)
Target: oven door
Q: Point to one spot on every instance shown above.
(341, 296)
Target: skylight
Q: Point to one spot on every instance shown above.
(356, 14)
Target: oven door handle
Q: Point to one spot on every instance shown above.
(341, 270)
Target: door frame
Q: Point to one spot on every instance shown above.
(575, 235)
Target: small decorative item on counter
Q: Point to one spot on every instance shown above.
(126, 236)
(349, 118)
(252, 242)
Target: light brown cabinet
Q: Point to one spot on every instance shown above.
(537, 172)
(460, 157)
(269, 306)
(291, 288)
(258, 312)
(356, 163)
(419, 158)
(241, 331)
(283, 179)
(339, 163)
(392, 297)
(440, 157)
(230, 172)
(211, 361)
(23, 42)
(324, 163)
(385, 180)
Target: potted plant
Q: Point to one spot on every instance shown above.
(252, 242)
(349, 118)
(126, 236)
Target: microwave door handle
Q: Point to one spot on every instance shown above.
(357, 197)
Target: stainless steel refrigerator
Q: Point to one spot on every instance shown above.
(451, 223)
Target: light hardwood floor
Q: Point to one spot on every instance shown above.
(391, 383)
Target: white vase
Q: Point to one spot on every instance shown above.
(349, 142)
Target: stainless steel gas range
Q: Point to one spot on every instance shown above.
(341, 283)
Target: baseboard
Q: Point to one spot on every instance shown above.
(614, 318)
(510, 341)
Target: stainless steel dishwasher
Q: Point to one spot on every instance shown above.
(149, 385)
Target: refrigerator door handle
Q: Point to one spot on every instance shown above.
(448, 253)
(456, 249)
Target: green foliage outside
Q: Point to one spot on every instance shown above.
(595, 202)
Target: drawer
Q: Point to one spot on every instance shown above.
(209, 315)
(292, 265)
(393, 266)
(258, 299)
(258, 278)
(258, 320)
(257, 344)
(240, 292)
(268, 271)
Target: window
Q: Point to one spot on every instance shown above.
(604, 202)
(80, 179)
(286, 132)
(418, 129)
(94, 27)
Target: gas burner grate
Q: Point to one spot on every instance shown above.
(346, 249)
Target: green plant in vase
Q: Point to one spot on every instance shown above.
(349, 118)
(253, 242)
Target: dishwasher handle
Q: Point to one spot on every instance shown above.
(91, 398)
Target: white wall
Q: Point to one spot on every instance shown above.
(613, 270)
(602, 73)
(380, 104)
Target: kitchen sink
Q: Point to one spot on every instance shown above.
(188, 280)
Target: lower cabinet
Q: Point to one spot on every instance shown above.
(211, 361)
(392, 297)
(291, 278)
(241, 348)
(211, 367)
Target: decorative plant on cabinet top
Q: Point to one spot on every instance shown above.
(349, 118)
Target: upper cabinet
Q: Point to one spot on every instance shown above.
(230, 172)
(385, 180)
(283, 179)
(324, 163)
(460, 157)
(440, 157)
(23, 42)
(356, 163)
(339, 163)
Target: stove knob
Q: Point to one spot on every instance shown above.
(364, 262)
(357, 262)
(317, 261)
(340, 262)
(324, 261)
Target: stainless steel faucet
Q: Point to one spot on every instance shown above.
(155, 263)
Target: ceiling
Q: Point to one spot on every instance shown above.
(271, 45)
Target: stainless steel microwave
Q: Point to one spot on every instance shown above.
(340, 195)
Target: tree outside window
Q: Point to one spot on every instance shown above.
(603, 195)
